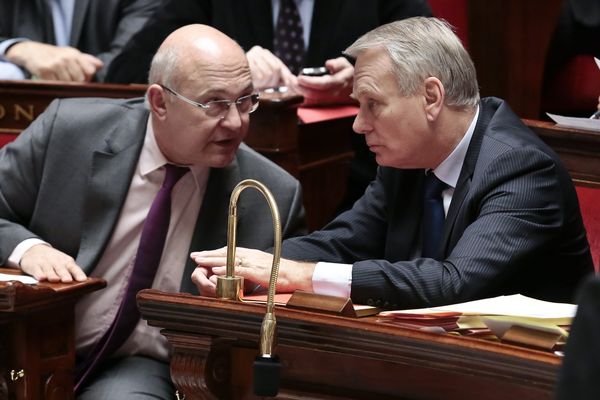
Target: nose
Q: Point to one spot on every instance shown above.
(361, 124)
(232, 118)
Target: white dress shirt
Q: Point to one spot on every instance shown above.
(335, 279)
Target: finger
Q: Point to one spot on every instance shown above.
(36, 271)
(221, 271)
(76, 272)
(324, 82)
(73, 71)
(51, 274)
(63, 273)
(89, 65)
(209, 262)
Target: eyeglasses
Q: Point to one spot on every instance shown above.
(218, 108)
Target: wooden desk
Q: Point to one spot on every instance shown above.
(37, 336)
(22, 101)
(328, 357)
(578, 149)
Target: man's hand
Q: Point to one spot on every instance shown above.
(254, 266)
(334, 88)
(267, 70)
(45, 263)
(46, 61)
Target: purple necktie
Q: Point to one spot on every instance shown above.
(288, 41)
(433, 215)
(145, 265)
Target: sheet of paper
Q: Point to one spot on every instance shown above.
(499, 325)
(514, 305)
(597, 61)
(21, 278)
(577, 123)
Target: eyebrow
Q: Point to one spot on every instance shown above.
(220, 92)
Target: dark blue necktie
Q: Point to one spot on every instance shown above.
(146, 262)
(433, 215)
(288, 40)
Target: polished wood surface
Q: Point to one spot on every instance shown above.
(578, 149)
(37, 338)
(22, 101)
(330, 357)
(508, 42)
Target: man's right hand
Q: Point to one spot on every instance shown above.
(268, 70)
(45, 61)
(45, 263)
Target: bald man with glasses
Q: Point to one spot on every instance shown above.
(78, 184)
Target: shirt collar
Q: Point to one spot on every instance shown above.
(449, 170)
(151, 158)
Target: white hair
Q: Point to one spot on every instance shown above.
(422, 47)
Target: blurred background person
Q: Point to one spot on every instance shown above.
(66, 40)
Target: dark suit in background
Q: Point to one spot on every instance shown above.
(100, 27)
(335, 25)
(513, 226)
(578, 378)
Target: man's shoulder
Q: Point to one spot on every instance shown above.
(90, 109)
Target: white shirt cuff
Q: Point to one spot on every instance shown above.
(14, 260)
(9, 71)
(332, 279)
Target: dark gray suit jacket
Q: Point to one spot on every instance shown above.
(513, 227)
(336, 24)
(100, 27)
(65, 179)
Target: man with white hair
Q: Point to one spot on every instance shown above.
(467, 203)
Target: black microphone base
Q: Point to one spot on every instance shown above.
(267, 374)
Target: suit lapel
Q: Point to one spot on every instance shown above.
(211, 226)
(79, 13)
(466, 174)
(110, 175)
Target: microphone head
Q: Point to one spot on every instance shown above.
(267, 373)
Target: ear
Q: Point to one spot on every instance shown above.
(434, 97)
(156, 96)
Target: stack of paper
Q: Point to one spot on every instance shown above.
(514, 318)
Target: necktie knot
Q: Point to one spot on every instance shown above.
(172, 174)
(433, 187)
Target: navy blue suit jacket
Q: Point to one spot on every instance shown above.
(513, 226)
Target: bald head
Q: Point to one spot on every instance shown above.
(192, 48)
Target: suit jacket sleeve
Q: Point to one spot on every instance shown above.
(18, 190)
(510, 217)
(134, 14)
(132, 63)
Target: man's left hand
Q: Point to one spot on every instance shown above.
(334, 88)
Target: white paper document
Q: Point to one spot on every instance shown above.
(577, 123)
(513, 305)
(29, 280)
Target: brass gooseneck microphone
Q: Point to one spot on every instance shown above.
(266, 366)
